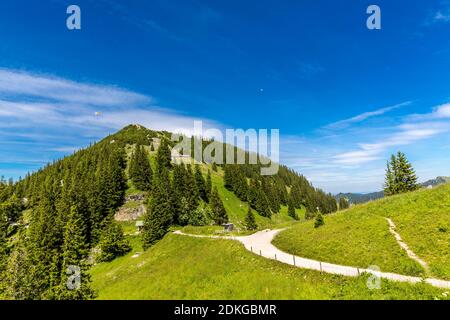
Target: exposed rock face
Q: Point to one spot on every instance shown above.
(133, 209)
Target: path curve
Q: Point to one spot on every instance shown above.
(404, 246)
(260, 243)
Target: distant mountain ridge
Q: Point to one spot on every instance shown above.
(436, 182)
(357, 198)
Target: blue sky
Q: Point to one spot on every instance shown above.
(344, 97)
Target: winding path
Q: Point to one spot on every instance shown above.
(260, 243)
(404, 246)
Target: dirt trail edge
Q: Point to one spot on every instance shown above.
(404, 246)
(260, 243)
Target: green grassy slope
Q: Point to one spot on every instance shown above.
(237, 209)
(180, 267)
(360, 236)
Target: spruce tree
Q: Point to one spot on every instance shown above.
(390, 187)
(11, 209)
(20, 274)
(250, 221)
(319, 220)
(179, 192)
(200, 183)
(252, 192)
(400, 176)
(407, 178)
(191, 191)
(262, 204)
(160, 211)
(208, 185)
(44, 246)
(140, 170)
(291, 209)
(228, 177)
(3, 247)
(343, 203)
(75, 279)
(113, 243)
(219, 213)
(163, 155)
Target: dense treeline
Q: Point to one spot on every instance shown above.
(69, 205)
(266, 194)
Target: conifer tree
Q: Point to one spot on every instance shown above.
(343, 204)
(400, 176)
(291, 209)
(112, 242)
(160, 212)
(262, 205)
(390, 184)
(44, 246)
(140, 170)
(11, 209)
(407, 178)
(208, 185)
(75, 279)
(252, 193)
(200, 183)
(19, 276)
(179, 192)
(3, 248)
(319, 220)
(163, 156)
(227, 177)
(250, 221)
(219, 213)
(114, 179)
(192, 193)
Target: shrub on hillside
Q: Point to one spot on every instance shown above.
(319, 220)
(250, 222)
(113, 243)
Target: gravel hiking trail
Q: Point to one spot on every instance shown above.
(260, 243)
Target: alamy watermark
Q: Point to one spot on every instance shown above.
(73, 21)
(374, 280)
(74, 277)
(241, 147)
(374, 20)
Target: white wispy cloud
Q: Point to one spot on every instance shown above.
(442, 16)
(54, 102)
(53, 115)
(364, 116)
(15, 84)
(343, 160)
(404, 134)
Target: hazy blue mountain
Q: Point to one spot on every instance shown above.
(435, 182)
(357, 198)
